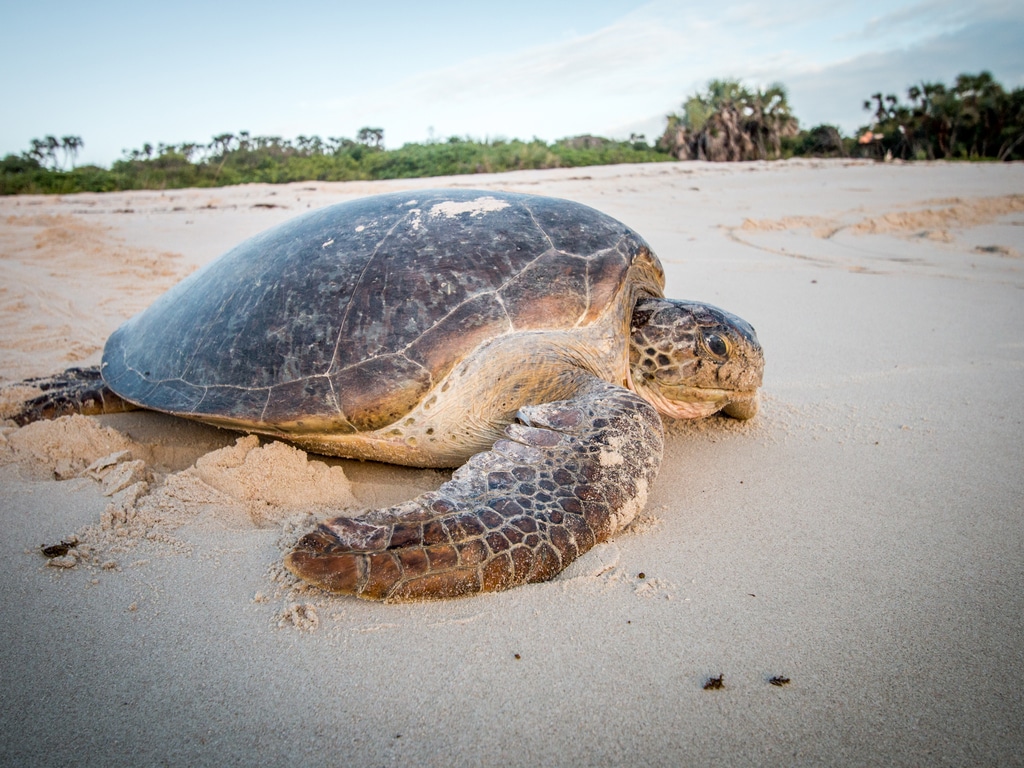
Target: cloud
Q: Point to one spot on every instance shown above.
(646, 61)
(930, 18)
(606, 56)
(621, 78)
(835, 93)
(628, 75)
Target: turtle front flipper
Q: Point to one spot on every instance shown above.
(76, 390)
(567, 475)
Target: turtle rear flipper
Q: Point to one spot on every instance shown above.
(567, 475)
(76, 390)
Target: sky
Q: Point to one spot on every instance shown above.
(122, 73)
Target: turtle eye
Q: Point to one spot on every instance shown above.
(716, 345)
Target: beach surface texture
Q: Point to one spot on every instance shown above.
(839, 581)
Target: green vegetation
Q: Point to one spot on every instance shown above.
(976, 118)
(729, 122)
(230, 159)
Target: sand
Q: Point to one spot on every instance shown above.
(862, 538)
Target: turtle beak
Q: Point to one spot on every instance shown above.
(744, 408)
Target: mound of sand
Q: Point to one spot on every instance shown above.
(240, 486)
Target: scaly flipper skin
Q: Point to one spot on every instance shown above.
(567, 475)
(76, 390)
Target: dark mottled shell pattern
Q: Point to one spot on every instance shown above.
(346, 317)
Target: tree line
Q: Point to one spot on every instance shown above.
(242, 158)
(974, 119)
(729, 122)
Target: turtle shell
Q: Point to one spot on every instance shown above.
(344, 318)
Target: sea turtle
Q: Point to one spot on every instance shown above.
(525, 338)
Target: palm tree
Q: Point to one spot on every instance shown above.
(729, 122)
(1011, 135)
(368, 135)
(50, 149)
(980, 97)
(222, 144)
(70, 145)
(674, 139)
(974, 118)
(770, 120)
(37, 151)
(188, 149)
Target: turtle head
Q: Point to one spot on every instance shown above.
(691, 360)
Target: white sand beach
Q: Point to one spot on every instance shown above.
(862, 538)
